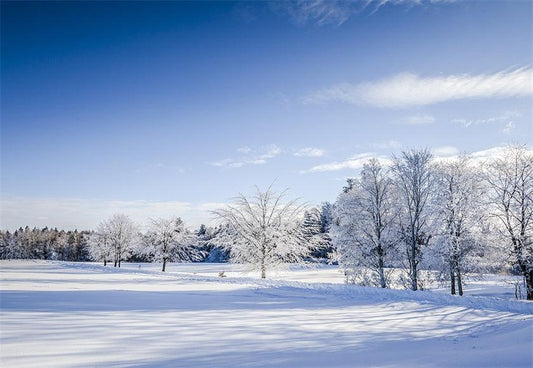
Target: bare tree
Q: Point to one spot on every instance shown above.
(100, 248)
(414, 178)
(168, 240)
(510, 181)
(460, 218)
(263, 230)
(122, 235)
(363, 226)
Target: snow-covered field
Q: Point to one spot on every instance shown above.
(56, 314)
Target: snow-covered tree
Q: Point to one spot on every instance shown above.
(510, 202)
(6, 250)
(363, 228)
(100, 247)
(326, 216)
(208, 240)
(313, 233)
(264, 230)
(45, 243)
(311, 225)
(414, 181)
(459, 219)
(120, 234)
(168, 240)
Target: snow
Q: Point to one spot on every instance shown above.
(74, 314)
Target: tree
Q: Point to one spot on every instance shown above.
(413, 179)
(363, 230)
(168, 240)
(208, 241)
(313, 232)
(263, 230)
(60, 245)
(5, 244)
(326, 216)
(100, 247)
(510, 182)
(43, 243)
(460, 218)
(122, 235)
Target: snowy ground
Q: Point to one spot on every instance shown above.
(57, 314)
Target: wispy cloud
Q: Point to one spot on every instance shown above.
(417, 120)
(309, 152)
(408, 89)
(445, 151)
(336, 12)
(506, 121)
(385, 145)
(271, 151)
(493, 152)
(319, 12)
(508, 128)
(440, 154)
(71, 213)
(146, 167)
(249, 157)
(352, 163)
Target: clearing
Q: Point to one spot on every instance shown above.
(58, 314)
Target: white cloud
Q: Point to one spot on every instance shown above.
(508, 128)
(493, 152)
(309, 152)
(418, 120)
(258, 162)
(408, 89)
(440, 154)
(385, 145)
(271, 151)
(352, 163)
(335, 12)
(250, 157)
(445, 151)
(320, 12)
(503, 117)
(222, 163)
(71, 213)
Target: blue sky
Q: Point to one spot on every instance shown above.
(175, 107)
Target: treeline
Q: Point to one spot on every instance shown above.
(119, 239)
(82, 246)
(45, 243)
(167, 240)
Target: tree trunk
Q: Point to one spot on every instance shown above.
(528, 276)
(529, 284)
(164, 264)
(105, 262)
(459, 282)
(263, 257)
(115, 263)
(414, 279)
(382, 281)
(119, 262)
(452, 281)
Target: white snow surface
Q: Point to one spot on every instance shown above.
(59, 314)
